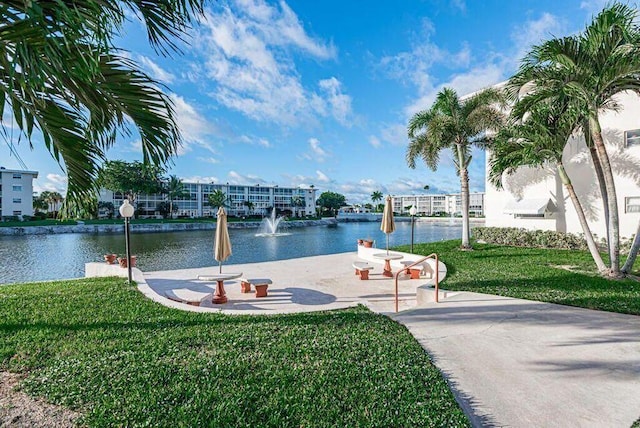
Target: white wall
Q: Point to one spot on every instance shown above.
(25, 194)
(544, 182)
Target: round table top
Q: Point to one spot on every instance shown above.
(390, 256)
(219, 276)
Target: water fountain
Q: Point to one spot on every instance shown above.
(269, 225)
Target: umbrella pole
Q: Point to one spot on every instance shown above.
(387, 244)
(220, 264)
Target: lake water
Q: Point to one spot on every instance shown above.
(48, 257)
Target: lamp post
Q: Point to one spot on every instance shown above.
(413, 211)
(126, 211)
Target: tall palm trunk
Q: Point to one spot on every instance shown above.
(593, 248)
(612, 197)
(597, 167)
(464, 195)
(633, 253)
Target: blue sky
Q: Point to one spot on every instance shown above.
(319, 92)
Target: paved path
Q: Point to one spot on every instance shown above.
(521, 363)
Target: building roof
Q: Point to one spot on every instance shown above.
(3, 169)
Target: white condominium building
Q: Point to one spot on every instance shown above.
(535, 198)
(444, 204)
(196, 204)
(16, 192)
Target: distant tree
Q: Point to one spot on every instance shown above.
(130, 178)
(39, 203)
(218, 199)
(174, 189)
(376, 196)
(164, 208)
(297, 201)
(108, 207)
(53, 200)
(250, 206)
(331, 201)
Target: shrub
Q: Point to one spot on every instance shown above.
(519, 237)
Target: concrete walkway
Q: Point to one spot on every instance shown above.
(521, 363)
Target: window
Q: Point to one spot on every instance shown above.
(17, 188)
(632, 204)
(17, 200)
(17, 176)
(632, 138)
(17, 213)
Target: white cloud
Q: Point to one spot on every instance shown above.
(200, 179)
(236, 178)
(246, 139)
(246, 49)
(395, 134)
(594, 6)
(477, 78)
(209, 160)
(374, 141)
(194, 127)
(459, 4)
(53, 183)
(534, 32)
(321, 177)
(155, 71)
(316, 152)
(339, 103)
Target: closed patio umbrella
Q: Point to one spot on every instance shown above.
(387, 226)
(222, 249)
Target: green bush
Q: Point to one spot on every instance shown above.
(519, 237)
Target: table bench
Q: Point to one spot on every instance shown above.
(260, 284)
(185, 295)
(414, 271)
(362, 269)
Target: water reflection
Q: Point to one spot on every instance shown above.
(46, 257)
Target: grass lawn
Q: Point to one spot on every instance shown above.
(531, 273)
(99, 346)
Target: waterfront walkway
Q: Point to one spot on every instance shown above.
(510, 362)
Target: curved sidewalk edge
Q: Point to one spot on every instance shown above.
(306, 284)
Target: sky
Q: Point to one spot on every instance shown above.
(299, 93)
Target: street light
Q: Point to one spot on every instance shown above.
(126, 211)
(413, 211)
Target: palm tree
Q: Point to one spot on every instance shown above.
(174, 189)
(62, 76)
(39, 203)
(376, 196)
(588, 69)
(250, 206)
(297, 201)
(218, 199)
(538, 141)
(456, 124)
(53, 200)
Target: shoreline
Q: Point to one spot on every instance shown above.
(179, 227)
